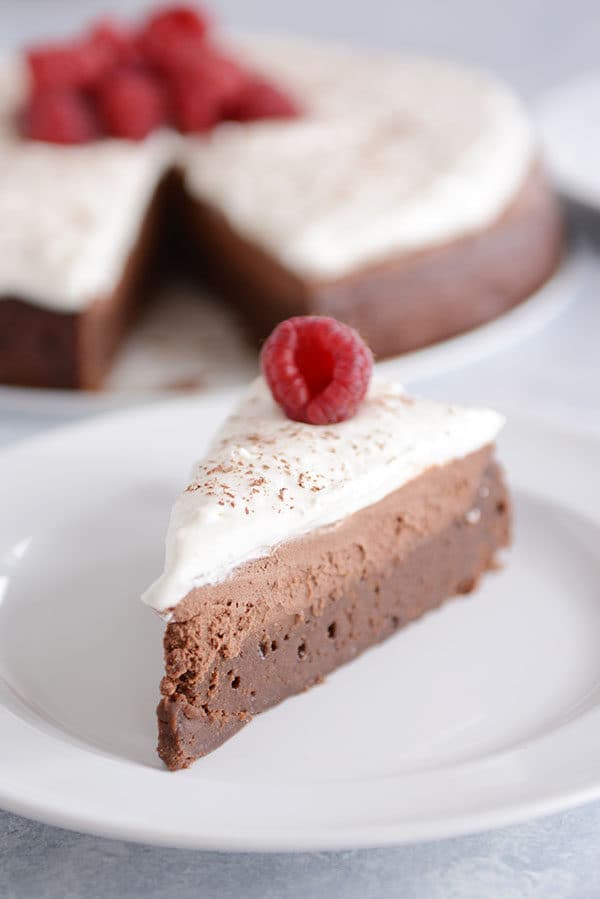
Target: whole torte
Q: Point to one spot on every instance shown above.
(327, 513)
(402, 195)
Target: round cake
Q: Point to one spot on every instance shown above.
(406, 199)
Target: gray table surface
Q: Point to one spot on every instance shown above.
(535, 44)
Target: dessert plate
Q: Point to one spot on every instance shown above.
(484, 713)
(569, 125)
(193, 343)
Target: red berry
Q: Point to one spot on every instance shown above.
(76, 65)
(182, 19)
(207, 65)
(170, 31)
(112, 41)
(317, 369)
(55, 66)
(132, 104)
(195, 107)
(106, 47)
(59, 117)
(202, 86)
(226, 75)
(259, 99)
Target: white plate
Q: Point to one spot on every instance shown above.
(569, 124)
(194, 341)
(483, 713)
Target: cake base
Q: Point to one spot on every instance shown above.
(278, 626)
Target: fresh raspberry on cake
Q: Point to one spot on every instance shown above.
(58, 66)
(170, 32)
(110, 41)
(59, 117)
(172, 22)
(207, 65)
(260, 99)
(137, 80)
(79, 64)
(225, 75)
(317, 369)
(202, 87)
(195, 109)
(132, 104)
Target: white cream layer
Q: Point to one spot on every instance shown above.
(392, 154)
(266, 479)
(69, 216)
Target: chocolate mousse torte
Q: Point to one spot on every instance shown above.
(297, 545)
(401, 194)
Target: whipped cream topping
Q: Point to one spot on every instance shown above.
(265, 479)
(392, 154)
(69, 215)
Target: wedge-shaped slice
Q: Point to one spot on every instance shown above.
(294, 548)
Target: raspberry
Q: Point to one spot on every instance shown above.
(226, 77)
(59, 117)
(195, 108)
(202, 86)
(111, 41)
(207, 65)
(132, 104)
(317, 369)
(259, 99)
(55, 66)
(170, 32)
(177, 20)
(76, 65)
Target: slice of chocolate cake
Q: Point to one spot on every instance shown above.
(297, 546)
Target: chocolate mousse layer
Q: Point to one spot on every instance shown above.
(278, 625)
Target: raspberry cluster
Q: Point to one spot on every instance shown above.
(126, 82)
(317, 368)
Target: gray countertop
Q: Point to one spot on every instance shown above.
(556, 373)
(556, 858)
